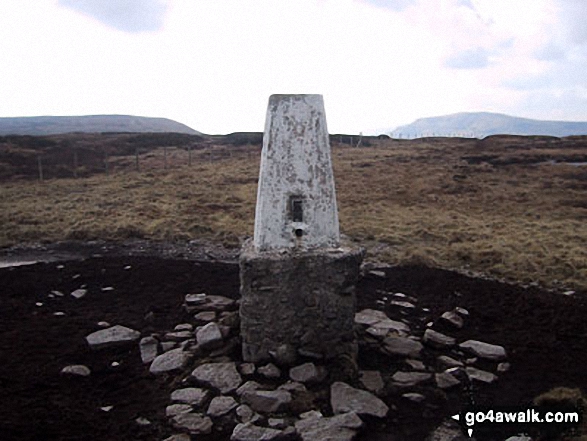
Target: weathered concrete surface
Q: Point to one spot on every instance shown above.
(305, 300)
(296, 165)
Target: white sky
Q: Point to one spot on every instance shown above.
(212, 64)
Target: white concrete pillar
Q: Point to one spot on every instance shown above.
(296, 198)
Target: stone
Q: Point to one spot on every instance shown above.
(176, 409)
(247, 368)
(149, 348)
(437, 339)
(167, 346)
(221, 376)
(503, 367)
(209, 336)
(341, 427)
(414, 397)
(369, 317)
(194, 396)
(377, 273)
(293, 386)
(277, 423)
(179, 437)
(221, 406)
(409, 379)
(184, 327)
(402, 346)
(378, 333)
(249, 385)
(173, 360)
(402, 304)
(250, 432)
(79, 370)
(445, 362)
(344, 398)
(267, 401)
(194, 423)
(416, 365)
(453, 318)
(113, 336)
(480, 375)
(372, 381)
(246, 414)
(461, 311)
(195, 299)
(79, 293)
(269, 371)
(205, 316)
(484, 350)
(307, 310)
(216, 303)
(392, 325)
(307, 373)
(178, 335)
(445, 380)
(449, 430)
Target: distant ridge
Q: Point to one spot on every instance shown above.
(482, 124)
(52, 125)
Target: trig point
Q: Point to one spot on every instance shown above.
(297, 281)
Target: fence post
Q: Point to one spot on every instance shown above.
(137, 159)
(40, 164)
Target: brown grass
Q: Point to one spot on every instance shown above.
(420, 201)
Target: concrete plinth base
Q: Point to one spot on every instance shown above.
(298, 303)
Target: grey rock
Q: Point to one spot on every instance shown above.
(376, 273)
(401, 346)
(293, 386)
(503, 367)
(246, 414)
(216, 303)
(267, 401)
(205, 316)
(176, 409)
(369, 317)
(221, 406)
(307, 373)
(195, 299)
(437, 339)
(167, 346)
(191, 395)
(342, 427)
(445, 361)
(270, 371)
(344, 398)
(194, 423)
(408, 379)
(250, 432)
(285, 355)
(392, 326)
(113, 336)
(403, 304)
(79, 293)
(416, 365)
(173, 360)
(76, 369)
(445, 380)
(449, 430)
(222, 376)
(372, 381)
(277, 423)
(414, 397)
(178, 335)
(248, 386)
(247, 368)
(179, 437)
(184, 327)
(480, 375)
(142, 421)
(461, 311)
(209, 336)
(453, 318)
(519, 438)
(484, 350)
(149, 347)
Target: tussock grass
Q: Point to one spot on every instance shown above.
(407, 202)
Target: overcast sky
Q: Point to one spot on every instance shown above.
(212, 64)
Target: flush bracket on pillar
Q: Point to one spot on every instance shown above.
(296, 215)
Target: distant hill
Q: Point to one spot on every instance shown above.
(482, 124)
(52, 125)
